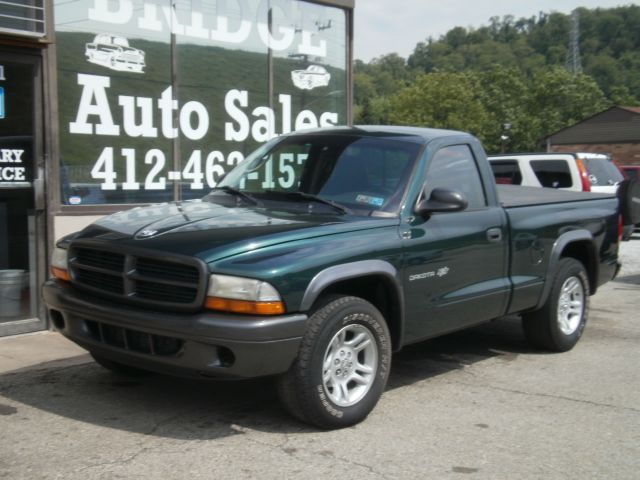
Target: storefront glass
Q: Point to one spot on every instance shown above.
(159, 98)
(18, 258)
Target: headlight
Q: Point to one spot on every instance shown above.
(243, 295)
(59, 264)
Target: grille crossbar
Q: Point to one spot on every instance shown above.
(138, 277)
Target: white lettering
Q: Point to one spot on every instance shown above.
(12, 174)
(285, 101)
(276, 44)
(306, 119)
(202, 116)
(167, 105)
(145, 128)
(121, 15)
(172, 19)
(94, 88)
(222, 33)
(196, 29)
(306, 47)
(264, 127)
(233, 97)
(149, 19)
(328, 119)
(121, 12)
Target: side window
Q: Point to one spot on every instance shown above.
(506, 172)
(552, 173)
(455, 168)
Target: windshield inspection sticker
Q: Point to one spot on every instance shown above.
(376, 201)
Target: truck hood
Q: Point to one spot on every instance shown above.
(210, 231)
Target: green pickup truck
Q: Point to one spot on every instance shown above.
(324, 252)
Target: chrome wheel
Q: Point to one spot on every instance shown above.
(350, 364)
(571, 305)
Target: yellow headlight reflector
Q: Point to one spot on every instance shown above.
(244, 306)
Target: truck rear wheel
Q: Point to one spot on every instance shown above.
(559, 324)
(342, 366)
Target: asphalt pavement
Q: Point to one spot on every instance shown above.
(479, 404)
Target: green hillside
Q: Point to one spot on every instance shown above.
(511, 71)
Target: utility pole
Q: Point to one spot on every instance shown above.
(573, 63)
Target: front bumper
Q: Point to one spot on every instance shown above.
(200, 345)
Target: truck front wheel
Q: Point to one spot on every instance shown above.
(559, 324)
(342, 366)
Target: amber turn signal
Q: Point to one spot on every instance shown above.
(244, 306)
(60, 274)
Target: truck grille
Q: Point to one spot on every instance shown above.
(145, 278)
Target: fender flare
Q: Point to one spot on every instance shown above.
(347, 271)
(554, 258)
(363, 268)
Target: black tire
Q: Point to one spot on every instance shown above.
(559, 324)
(120, 368)
(330, 397)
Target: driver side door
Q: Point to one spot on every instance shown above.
(455, 263)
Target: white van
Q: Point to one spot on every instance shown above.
(583, 172)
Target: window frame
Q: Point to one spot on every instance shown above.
(474, 161)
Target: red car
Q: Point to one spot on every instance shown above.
(631, 171)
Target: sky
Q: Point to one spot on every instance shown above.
(388, 26)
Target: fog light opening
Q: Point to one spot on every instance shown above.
(226, 357)
(57, 319)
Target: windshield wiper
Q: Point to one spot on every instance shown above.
(313, 198)
(238, 193)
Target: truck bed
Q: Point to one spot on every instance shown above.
(514, 196)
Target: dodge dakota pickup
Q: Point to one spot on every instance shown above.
(324, 252)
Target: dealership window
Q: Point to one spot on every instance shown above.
(158, 99)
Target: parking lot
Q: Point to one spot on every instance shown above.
(476, 404)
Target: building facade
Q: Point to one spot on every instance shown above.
(616, 132)
(110, 104)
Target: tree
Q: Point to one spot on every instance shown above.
(560, 99)
(440, 100)
(503, 92)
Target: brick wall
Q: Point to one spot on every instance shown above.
(622, 153)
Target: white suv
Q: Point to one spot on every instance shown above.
(586, 172)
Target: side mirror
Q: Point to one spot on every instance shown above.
(442, 200)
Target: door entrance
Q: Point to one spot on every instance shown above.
(22, 233)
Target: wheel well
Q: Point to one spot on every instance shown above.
(584, 252)
(380, 292)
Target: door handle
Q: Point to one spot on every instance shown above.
(494, 234)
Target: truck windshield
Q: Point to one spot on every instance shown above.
(360, 174)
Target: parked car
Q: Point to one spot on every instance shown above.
(313, 76)
(631, 171)
(586, 172)
(368, 239)
(114, 52)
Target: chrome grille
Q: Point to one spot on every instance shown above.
(142, 277)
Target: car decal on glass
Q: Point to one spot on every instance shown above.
(115, 53)
(311, 77)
